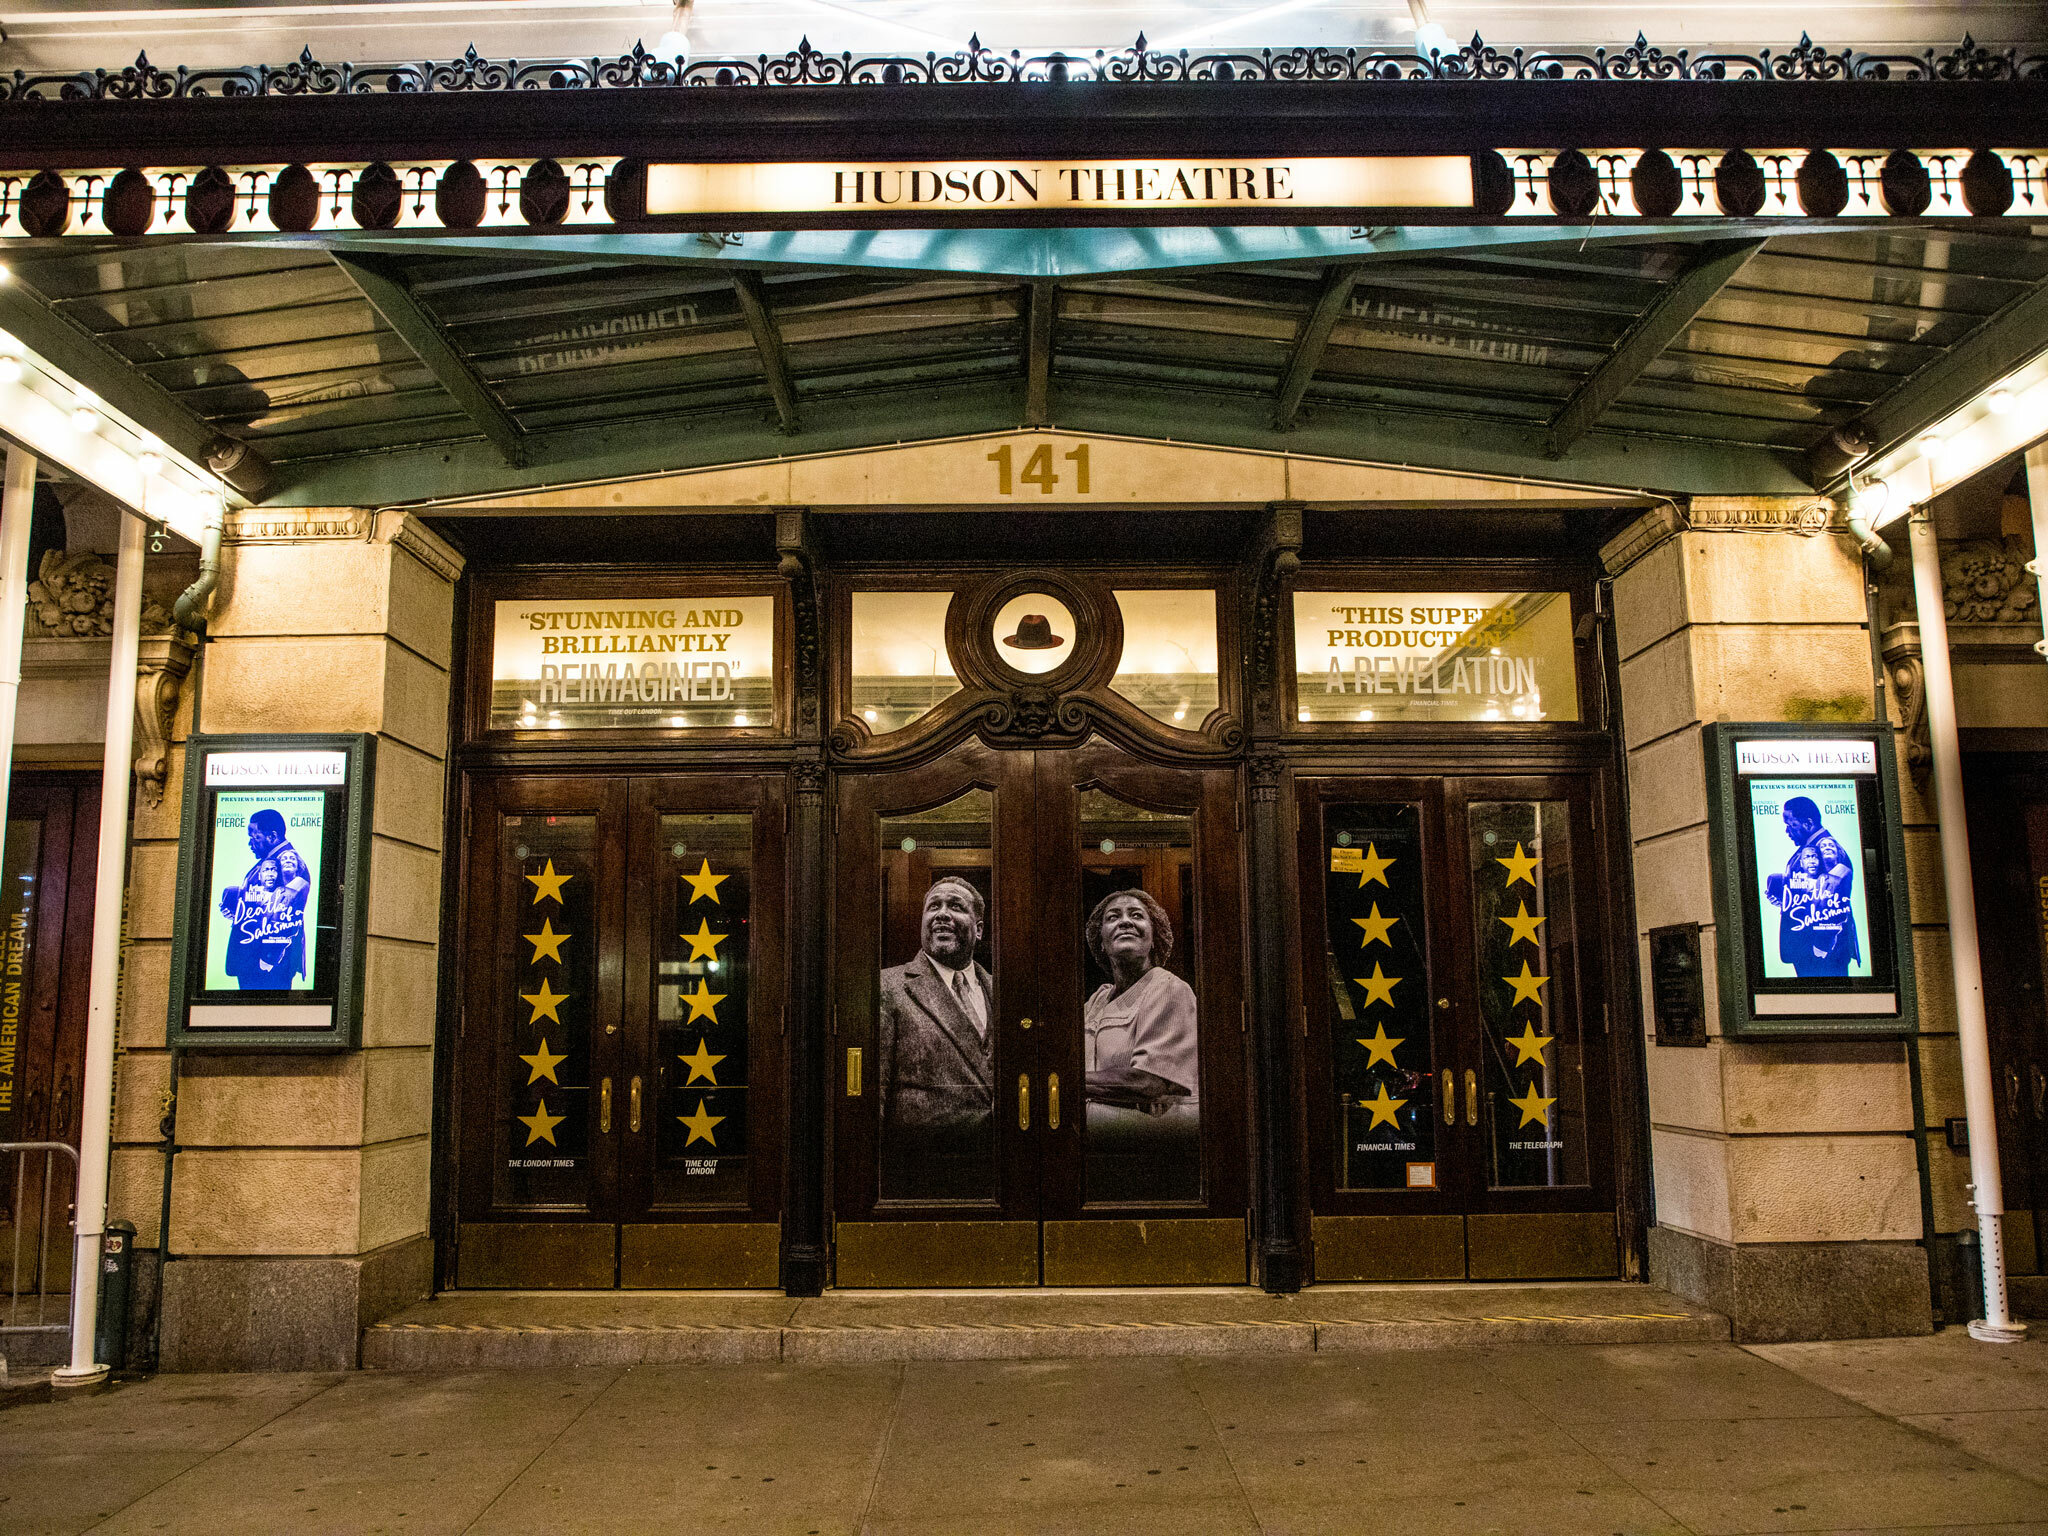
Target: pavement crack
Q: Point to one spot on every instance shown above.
(533, 1460)
(882, 1447)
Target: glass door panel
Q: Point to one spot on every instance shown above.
(1141, 1055)
(934, 1053)
(546, 1116)
(1532, 1039)
(1382, 1048)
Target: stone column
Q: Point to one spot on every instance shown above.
(300, 1191)
(1786, 1183)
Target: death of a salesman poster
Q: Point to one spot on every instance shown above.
(265, 889)
(1809, 877)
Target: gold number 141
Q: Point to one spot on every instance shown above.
(1038, 469)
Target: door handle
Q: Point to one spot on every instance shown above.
(2012, 1090)
(1052, 1101)
(853, 1071)
(1450, 1096)
(1471, 1097)
(633, 1107)
(1023, 1101)
(2040, 1091)
(604, 1107)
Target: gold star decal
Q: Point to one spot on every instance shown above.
(544, 1062)
(540, 1125)
(1520, 866)
(1380, 1047)
(1534, 1107)
(1379, 986)
(1521, 927)
(703, 943)
(1372, 867)
(704, 883)
(1528, 989)
(701, 1064)
(700, 1125)
(1376, 928)
(1529, 1045)
(545, 1002)
(547, 944)
(547, 885)
(1382, 1109)
(703, 1002)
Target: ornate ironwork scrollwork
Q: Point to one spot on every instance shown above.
(1139, 64)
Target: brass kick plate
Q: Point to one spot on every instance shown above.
(1191, 1251)
(936, 1254)
(536, 1255)
(1385, 1248)
(700, 1255)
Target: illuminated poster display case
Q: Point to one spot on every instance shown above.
(273, 882)
(1809, 881)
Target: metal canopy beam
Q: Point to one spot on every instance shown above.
(91, 362)
(753, 297)
(381, 284)
(1315, 335)
(2007, 339)
(1675, 308)
(1027, 253)
(1125, 408)
(1041, 311)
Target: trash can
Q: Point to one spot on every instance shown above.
(117, 1272)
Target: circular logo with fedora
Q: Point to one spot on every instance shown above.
(1034, 632)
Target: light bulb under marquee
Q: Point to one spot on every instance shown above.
(150, 463)
(84, 419)
(1998, 402)
(10, 370)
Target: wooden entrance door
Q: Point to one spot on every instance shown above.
(1460, 1123)
(1038, 1015)
(620, 1045)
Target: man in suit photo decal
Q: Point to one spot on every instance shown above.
(936, 1056)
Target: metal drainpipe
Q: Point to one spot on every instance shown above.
(95, 1130)
(1987, 1192)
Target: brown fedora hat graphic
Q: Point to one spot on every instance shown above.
(1034, 633)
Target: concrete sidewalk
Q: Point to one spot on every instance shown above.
(1925, 1434)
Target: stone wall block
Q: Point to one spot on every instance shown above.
(1924, 886)
(1934, 978)
(416, 702)
(135, 1192)
(1824, 1189)
(398, 1094)
(1744, 577)
(408, 795)
(1667, 784)
(271, 1101)
(268, 1200)
(1685, 1086)
(320, 587)
(421, 610)
(1948, 1179)
(1817, 1086)
(333, 683)
(1691, 1173)
(1941, 1079)
(400, 982)
(152, 890)
(141, 1081)
(146, 994)
(1649, 599)
(405, 891)
(1995, 696)
(1772, 672)
(394, 1192)
(1657, 690)
(1674, 881)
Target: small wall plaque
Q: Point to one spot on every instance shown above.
(1678, 994)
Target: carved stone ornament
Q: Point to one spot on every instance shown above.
(1908, 678)
(1985, 581)
(162, 664)
(72, 598)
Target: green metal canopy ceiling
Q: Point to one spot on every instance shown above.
(1677, 365)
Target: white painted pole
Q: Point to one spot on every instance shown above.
(96, 1125)
(1987, 1190)
(17, 511)
(2037, 496)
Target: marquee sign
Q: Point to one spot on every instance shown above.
(905, 187)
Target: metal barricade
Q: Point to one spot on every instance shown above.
(40, 1193)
